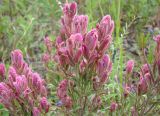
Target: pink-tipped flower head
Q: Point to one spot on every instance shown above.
(69, 10)
(79, 24)
(36, 112)
(105, 27)
(12, 75)
(142, 86)
(20, 84)
(103, 64)
(2, 71)
(44, 104)
(130, 66)
(113, 106)
(91, 39)
(62, 56)
(37, 82)
(17, 59)
(104, 44)
(74, 46)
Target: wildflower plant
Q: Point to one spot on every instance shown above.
(82, 59)
(22, 91)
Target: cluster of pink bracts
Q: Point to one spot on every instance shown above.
(23, 86)
(77, 47)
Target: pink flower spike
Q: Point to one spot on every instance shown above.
(17, 59)
(142, 86)
(44, 104)
(20, 84)
(104, 44)
(12, 75)
(130, 66)
(70, 9)
(85, 51)
(78, 55)
(79, 24)
(106, 26)
(91, 39)
(2, 71)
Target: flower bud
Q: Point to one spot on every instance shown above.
(20, 84)
(79, 24)
(17, 59)
(104, 44)
(129, 66)
(78, 55)
(44, 104)
(37, 82)
(70, 9)
(142, 86)
(44, 91)
(85, 51)
(106, 27)
(91, 39)
(103, 64)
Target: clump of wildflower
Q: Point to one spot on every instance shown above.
(82, 58)
(23, 86)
